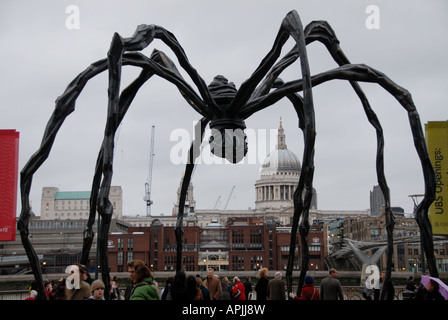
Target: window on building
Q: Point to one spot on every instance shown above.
(237, 263)
(255, 236)
(237, 236)
(444, 266)
(374, 233)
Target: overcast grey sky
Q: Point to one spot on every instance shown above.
(39, 56)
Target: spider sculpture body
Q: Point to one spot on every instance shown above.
(224, 108)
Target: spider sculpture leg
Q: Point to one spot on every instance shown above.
(291, 26)
(321, 31)
(302, 202)
(192, 155)
(65, 105)
(405, 99)
(142, 37)
(194, 152)
(100, 189)
(303, 193)
(126, 98)
(22, 226)
(148, 33)
(105, 209)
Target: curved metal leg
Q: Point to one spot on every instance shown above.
(192, 155)
(294, 25)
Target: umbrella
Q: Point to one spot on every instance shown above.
(443, 288)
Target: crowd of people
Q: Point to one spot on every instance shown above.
(89, 289)
(180, 287)
(188, 288)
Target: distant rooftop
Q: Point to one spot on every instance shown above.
(72, 195)
(214, 225)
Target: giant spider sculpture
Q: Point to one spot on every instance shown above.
(225, 108)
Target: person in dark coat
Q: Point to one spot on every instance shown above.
(248, 288)
(410, 285)
(204, 290)
(276, 288)
(261, 288)
(166, 295)
(330, 287)
(179, 287)
(192, 289)
(431, 292)
(226, 289)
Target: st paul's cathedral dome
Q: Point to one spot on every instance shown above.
(279, 177)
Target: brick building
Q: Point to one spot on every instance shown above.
(243, 244)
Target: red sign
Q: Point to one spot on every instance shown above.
(9, 163)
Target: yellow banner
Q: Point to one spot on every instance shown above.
(437, 142)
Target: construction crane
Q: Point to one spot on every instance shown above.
(216, 203)
(148, 183)
(228, 199)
